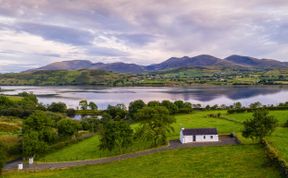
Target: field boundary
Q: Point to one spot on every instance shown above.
(276, 159)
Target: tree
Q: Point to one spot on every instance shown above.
(92, 124)
(67, 127)
(83, 104)
(57, 107)
(255, 105)
(260, 126)
(92, 106)
(173, 109)
(134, 107)
(116, 135)
(71, 112)
(155, 124)
(2, 157)
(153, 103)
(237, 105)
(32, 145)
(116, 112)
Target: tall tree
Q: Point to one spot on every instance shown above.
(83, 104)
(116, 135)
(261, 125)
(67, 127)
(92, 105)
(57, 107)
(134, 107)
(155, 124)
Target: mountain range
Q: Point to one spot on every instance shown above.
(206, 61)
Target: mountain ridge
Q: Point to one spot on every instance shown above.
(204, 60)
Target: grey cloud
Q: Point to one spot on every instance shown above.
(136, 39)
(57, 33)
(102, 51)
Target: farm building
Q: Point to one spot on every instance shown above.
(198, 135)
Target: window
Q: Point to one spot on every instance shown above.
(204, 137)
(211, 137)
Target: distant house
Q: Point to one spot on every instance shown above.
(198, 135)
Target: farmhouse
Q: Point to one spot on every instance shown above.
(198, 135)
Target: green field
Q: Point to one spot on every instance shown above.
(279, 140)
(87, 149)
(227, 161)
(281, 116)
(200, 119)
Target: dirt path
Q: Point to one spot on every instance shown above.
(174, 144)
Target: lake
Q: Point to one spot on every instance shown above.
(104, 96)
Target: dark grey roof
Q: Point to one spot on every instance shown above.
(200, 131)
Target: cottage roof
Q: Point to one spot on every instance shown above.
(200, 131)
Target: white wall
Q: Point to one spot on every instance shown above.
(199, 138)
(207, 138)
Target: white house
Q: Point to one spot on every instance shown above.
(198, 135)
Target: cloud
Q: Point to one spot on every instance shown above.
(41, 31)
(57, 33)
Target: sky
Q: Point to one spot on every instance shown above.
(34, 33)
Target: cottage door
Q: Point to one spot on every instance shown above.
(194, 138)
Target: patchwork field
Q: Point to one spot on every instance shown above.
(227, 161)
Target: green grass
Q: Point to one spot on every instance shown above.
(14, 98)
(227, 161)
(281, 116)
(279, 140)
(87, 149)
(200, 119)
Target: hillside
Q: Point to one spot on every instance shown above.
(171, 77)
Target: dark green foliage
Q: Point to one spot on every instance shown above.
(173, 109)
(67, 127)
(155, 124)
(134, 107)
(71, 112)
(260, 126)
(2, 157)
(83, 104)
(92, 106)
(116, 135)
(117, 112)
(57, 107)
(183, 107)
(153, 103)
(42, 129)
(33, 145)
(92, 124)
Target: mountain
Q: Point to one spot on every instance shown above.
(197, 61)
(119, 67)
(84, 64)
(203, 61)
(254, 62)
(65, 65)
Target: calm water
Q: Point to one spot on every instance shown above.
(71, 95)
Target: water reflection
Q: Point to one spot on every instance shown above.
(202, 95)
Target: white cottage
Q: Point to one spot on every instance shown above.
(198, 135)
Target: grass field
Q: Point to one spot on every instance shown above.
(87, 149)
(200, 119)
(281, 116)
(227, 161)
(279, 140)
